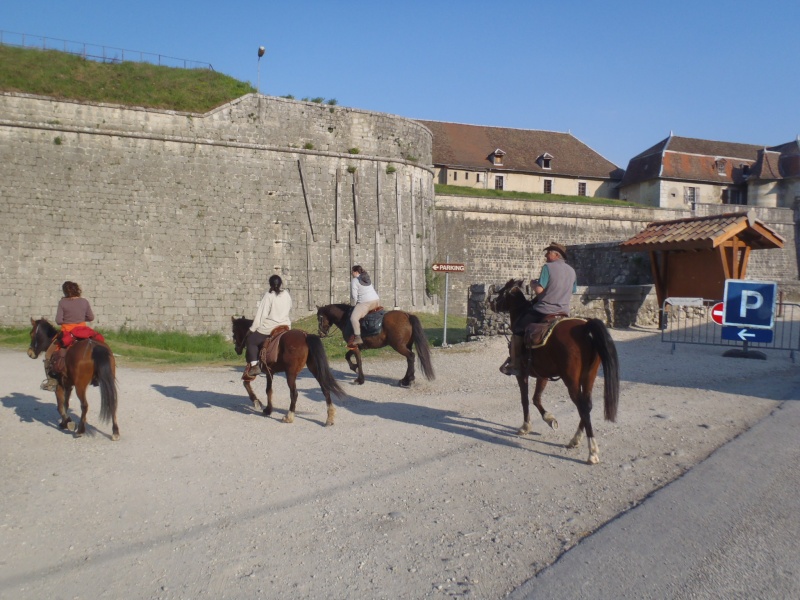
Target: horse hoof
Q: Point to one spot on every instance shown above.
(525, 429)
(356, 382)
(404, 384)
(115, 437)
(70, 425)
(550, 420)
(593, 459)
(329, 423)
(289, 418)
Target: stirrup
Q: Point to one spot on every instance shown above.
(49, 385)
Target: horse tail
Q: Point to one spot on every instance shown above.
(422, 347)
(318, 365)
(104, 375)
(610, 361)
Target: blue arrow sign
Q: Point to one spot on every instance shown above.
(745, 334)
(750, 304)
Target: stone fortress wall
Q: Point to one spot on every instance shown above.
(175, 221)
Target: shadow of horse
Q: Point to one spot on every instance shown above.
(27, 408)
(452, 422)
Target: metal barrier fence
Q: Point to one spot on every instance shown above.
(97, 52)
(688, 321)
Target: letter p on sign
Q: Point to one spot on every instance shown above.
(751, 300)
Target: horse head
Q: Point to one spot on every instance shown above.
(323, 322)
(241, 328)
(510, 296)
(42, 334)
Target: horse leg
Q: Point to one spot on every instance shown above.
(253, 398)
(331, 408)
(80, 389)
(62, 400)
(357, 366)
(522, 381)
(291, 379)
(268, 409)
(410, 358)
(547, 417)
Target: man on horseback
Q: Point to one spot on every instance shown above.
(365, 298)
(553, 289)
(73, 312)
(273, 311)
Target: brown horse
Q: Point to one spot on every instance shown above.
(400, 330)
(573, 353)
(297, 349)
(87, 361)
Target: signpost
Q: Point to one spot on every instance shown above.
(447, 268)
(748, 314)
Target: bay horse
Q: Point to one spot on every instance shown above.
(400, 330)
(87, 362)
(297, 349)
(573, 353)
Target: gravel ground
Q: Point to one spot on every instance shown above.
(420, 493)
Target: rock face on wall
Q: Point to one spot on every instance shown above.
(176, 221)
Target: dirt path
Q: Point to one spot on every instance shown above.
(421, 493)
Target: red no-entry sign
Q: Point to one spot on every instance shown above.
(718, 312)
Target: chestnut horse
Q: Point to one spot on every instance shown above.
(87, 361)
(573, 353)
(296, 349)
(400, 330)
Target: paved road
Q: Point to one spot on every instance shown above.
(729, 528)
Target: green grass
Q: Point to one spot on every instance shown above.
(61, 75)
(455, 190)
(175, 349)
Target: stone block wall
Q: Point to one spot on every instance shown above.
(502, 239)
(173, 221)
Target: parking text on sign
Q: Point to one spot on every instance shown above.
(448, 267)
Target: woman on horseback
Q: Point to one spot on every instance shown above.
(73, 311)
(273, 311)
(365, 298)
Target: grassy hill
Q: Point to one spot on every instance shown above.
(61, 75)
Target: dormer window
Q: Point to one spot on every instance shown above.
(745, 169)
(497, 157)
(720, 164)
(546, 161)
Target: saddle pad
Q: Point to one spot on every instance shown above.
(79, 333)
(371, 324)
(269, 350)
(537, 334)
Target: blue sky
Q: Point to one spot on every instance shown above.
(619, 75)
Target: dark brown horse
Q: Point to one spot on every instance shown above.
(400, 330)
(297, 349)
(573, 353)
(87, 361)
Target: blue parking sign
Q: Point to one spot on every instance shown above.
(750, 303)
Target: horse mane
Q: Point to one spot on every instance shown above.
(50, 330)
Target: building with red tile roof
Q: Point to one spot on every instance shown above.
(520, 160)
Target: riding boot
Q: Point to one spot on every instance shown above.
(513, 365)
(49, 384)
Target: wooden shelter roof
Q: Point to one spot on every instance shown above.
(699, 233)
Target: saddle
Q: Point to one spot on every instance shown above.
(371, 323)
(269, 349)
(537, 334)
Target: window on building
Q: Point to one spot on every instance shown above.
(466, 176)
(581, 188)
(721, 167)
(455, 175)
(690, 195)
(478, 177)
(498, 182)
(745, 169)
(546, 161)
(548, 186)
(497, 157)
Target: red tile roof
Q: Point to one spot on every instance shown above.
(471, 146)
(696, 233)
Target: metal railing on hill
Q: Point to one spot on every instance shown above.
(96, 52)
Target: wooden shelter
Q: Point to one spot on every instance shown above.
(693, 257)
